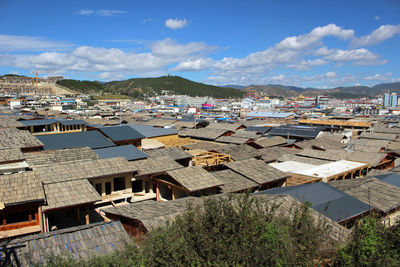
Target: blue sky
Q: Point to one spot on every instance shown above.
(302, 43)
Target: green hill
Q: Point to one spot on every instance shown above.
(151, 86)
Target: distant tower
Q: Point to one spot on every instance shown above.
(393, 100)
(386, 99)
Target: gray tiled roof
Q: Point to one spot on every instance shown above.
(14, 138)
(203, 145)
(69, 193)
(174, 153)
(233, 181)
(291, 157)
(270, 154)
(247, 134)
(194, 178)
(155, 165)
(154, 214)
(21, 187)
(57, 156)
(67, 171)
(80, 242)
(379, 136)
(11, 154)
(256, 170)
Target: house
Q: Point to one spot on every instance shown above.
(48, 157)
(263, 115)
(326, 199)
(12, 160)
(81, 242)
(205, 133)
(167, 136)
(226, 126)
(182, 157)
(234, 182)
(21, 200)
(347, 124)
(122, 135)
(188, 181)
(51, 126)
(239, 152)
(259, 172)
(14, 138)
(297, 132)
(92, 139)
(302, 173)
(233, 140)
(383, 197)
(268, 142)
(129, 152)
(9, 122)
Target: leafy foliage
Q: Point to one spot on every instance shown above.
(371, 245)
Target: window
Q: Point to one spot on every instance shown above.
(18, 217)
(119, 184)
(99, 189)
(108, 188)
(137, 186)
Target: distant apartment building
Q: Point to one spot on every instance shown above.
(390, 100)
(194, 101)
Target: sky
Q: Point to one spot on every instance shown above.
(319, 44)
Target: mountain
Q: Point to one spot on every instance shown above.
(239, 87)
(152, 86)
(338, 92)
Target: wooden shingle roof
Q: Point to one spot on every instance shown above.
(239, 152)
(292, 157)
(160, 122)
(224, 126)
(9, 122)
(81, 242)
(285, 205)
(19, 188)
(14, 138)
(322, 143)
(194, 178)
(69, 193)
(155, 165)
(232, 140)
(247, 134)
(154, 214)
(380, 136)
(203, 133)
(233, 181)
(269, 142)
(203, 145)
(67, 171)
(270, 154)
(57, 156)
(11, 154)
(174, 153)
(256, 170)
(372, 191)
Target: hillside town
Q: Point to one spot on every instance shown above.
(72, 167)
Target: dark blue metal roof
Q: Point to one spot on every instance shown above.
(121, 133)
(150, 131)
(306, 132)
(325, 199)
(130, 152)
(92, 139)
(38, 122)
(393, 179)
(72, 122)
(259, 129)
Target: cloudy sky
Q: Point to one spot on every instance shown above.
(302, 43)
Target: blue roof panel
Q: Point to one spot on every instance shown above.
(130, 152)
(92, 139)
(393, 179)
(150, 131)
(325, 199)
(121, 133)
(38, 122)
(269, 114)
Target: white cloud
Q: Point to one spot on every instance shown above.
(194, 64)
(110, 62)
(307, 64)
(360, 56)
(101, 12)
(12, 43)
(176, 23)
(379, 35)
(330, 74)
